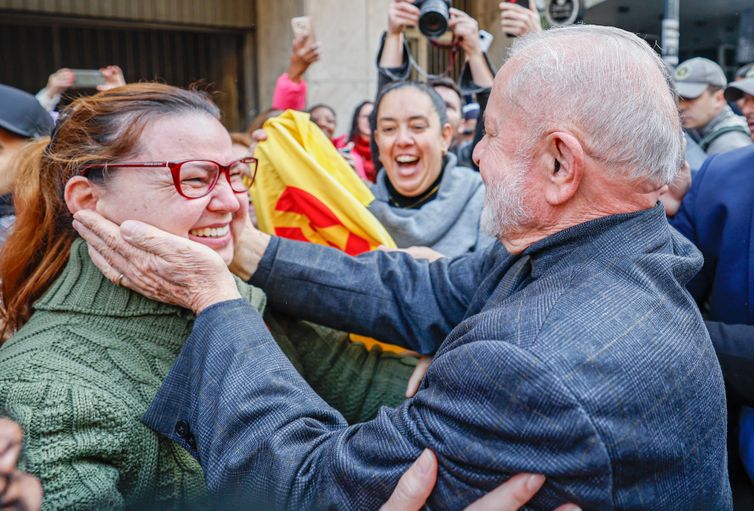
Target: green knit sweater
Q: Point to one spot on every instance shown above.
(84, 368)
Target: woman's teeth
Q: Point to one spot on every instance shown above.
(210, 232)
(406, 159)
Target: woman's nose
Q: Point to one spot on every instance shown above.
(223, 196)
(404, 137)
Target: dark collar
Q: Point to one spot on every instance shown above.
(619, 233)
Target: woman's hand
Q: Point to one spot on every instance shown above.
(417, 482)
(18, 490)
(156, 264)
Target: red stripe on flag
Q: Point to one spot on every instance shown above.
(296, 200)
(292, 233)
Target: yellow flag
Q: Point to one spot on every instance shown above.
(305, 190)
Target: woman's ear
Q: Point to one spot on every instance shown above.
(80, 193)
(447, 137)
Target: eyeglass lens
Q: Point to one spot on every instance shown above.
(199, 177)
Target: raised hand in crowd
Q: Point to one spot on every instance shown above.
(59, 82)
(113, 78)
(516, 20)
(400, 15)
(417, 483)
(18, 490)
(466, 32)
(304, 54)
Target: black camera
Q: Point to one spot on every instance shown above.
(433, 16)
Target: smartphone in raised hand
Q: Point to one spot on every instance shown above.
(87, 78)
(302, 27)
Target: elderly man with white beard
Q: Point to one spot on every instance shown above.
(570, 348)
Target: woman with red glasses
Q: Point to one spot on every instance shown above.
(88, 355)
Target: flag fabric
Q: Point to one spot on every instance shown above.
(305, 190)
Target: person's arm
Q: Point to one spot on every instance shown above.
(477, 74)
(734, 345)
(290, 88)
(392, 57)
(386, 295)
(291, 450)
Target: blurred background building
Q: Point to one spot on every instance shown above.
(239, 47)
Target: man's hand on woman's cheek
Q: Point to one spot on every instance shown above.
(156, 264)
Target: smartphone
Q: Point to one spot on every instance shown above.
(87, 78)
(302, 26)
(485, 40)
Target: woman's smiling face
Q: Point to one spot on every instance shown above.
(411, 140)
(149, 195)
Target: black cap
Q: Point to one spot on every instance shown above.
(21, 113)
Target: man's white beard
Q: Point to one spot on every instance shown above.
(504, 210)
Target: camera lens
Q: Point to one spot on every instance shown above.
(433, 18)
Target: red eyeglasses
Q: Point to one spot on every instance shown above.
(194, 179)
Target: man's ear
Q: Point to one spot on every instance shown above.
(565, 158)
(80, 193)
(720, 96)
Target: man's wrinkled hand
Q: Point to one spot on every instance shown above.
(156, 264)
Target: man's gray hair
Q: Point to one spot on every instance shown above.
(611, 87)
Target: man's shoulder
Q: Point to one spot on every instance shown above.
(725, 176)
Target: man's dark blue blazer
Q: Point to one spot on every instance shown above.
(585, 359)
(717, 215)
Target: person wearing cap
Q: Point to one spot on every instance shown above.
(22, 118)
(742, 92)
(468, 125)
(705, 115)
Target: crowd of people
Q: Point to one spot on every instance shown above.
(578, 310)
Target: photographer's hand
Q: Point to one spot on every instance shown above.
(401, 14)
(466, 31)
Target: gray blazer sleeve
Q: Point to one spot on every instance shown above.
(262, 435)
